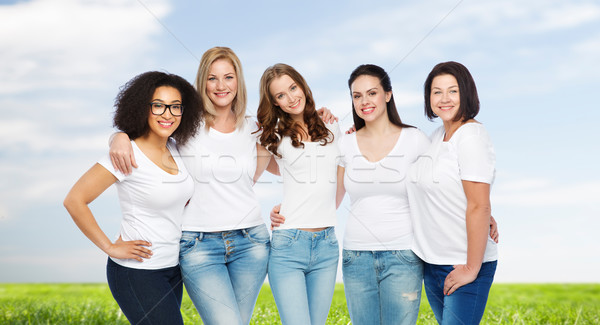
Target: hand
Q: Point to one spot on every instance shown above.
(133, 249)
(461, 275)
(326, 115)
(351, 130)
(121, 154)
(276, 219)
(494, 229)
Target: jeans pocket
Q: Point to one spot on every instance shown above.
(257, 235)
(348, 257)
(407, 256)
(281, 239)
(187, 243)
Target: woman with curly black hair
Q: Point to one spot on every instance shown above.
(143, 265)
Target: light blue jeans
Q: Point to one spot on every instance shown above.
(382, 287)
(465, 305)
(223, 272)
(302, 270)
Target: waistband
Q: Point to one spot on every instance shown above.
(297, 233)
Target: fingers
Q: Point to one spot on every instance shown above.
(133, 162)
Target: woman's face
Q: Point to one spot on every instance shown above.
(445, 97)
(288, 95)
(221, 84)
(369, 98)
(165, 124)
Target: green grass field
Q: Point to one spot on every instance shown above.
(93, 304)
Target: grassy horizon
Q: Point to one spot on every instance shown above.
(92, 303)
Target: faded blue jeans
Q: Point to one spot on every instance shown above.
(382, 287)
(224, 271)
(302, 271)
(465, 305)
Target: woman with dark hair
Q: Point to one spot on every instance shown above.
(449, 195)
(225, 242)
(304, 251)
(382, 276)
(143, 265)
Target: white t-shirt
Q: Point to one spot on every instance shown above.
(379, 217)
(437, 199)
(222, 166)
(309, 182)
(152, 203)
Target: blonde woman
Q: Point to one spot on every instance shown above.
(224, 248)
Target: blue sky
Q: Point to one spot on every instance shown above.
(536, 65)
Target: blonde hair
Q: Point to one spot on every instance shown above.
(238, 106)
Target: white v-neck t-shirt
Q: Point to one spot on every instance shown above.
(152, 203)
(379, 217)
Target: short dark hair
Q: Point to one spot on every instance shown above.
(469, 100)
(386, 84)
(132, 105)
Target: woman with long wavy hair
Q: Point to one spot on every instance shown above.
(304, 251)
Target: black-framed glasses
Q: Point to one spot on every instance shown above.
(160, 109)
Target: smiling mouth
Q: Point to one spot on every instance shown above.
(165, 124)
(368, 110)
(295, 105)
(221, 94)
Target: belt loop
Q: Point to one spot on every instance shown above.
(245, 232)
(200, 236)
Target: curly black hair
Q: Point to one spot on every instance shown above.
(132, 105)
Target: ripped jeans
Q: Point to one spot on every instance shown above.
(382, 287)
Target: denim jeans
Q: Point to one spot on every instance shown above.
(382, 287)
(465, 305)
(146, 296)
(224, 271)
(302, 270)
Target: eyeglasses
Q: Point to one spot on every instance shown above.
(160, 109)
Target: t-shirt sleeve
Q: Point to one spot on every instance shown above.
(255, 130)
(476, 156)
(422, 142)
(105, 162)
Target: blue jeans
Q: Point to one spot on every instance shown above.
(302, 270)
(382, 287)
(146, 296)
(465, 305)
(224, 271)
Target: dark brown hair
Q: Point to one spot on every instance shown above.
(276, 124)
(386, 84)
(469, 100)
(132, 105)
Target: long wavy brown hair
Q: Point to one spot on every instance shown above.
(276, 124)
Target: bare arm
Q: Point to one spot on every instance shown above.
(478, 227)
(341, 190)
(93, 183)
(264, 160)
(121, 153)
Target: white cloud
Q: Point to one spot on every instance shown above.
(50, 44)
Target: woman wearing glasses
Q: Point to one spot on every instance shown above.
(225, 243)
(143, 266)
